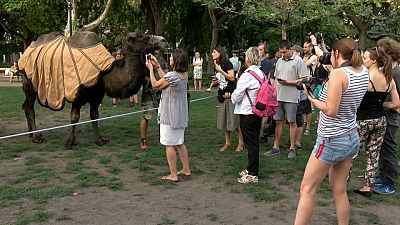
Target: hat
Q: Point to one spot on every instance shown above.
(297, 48)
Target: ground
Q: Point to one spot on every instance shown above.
(120, 184)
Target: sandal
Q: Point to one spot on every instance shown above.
(166, 178)
(182, 173)
(225, 147)
(143, 144)
(239, 149)
(247, 179)
(307, 132)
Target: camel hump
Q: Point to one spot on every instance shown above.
(82, 39)
(45, 38)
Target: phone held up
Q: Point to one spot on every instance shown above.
(148, 57)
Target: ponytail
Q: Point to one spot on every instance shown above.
(356, 59)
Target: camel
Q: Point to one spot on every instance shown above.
(117, 78)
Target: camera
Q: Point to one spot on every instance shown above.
(148, 57)
(317, 35)
(308, 82)
(325, 59)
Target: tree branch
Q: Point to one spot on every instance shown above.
(99, 20)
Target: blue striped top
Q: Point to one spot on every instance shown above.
(345, 119)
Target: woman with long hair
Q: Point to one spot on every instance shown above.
(371, 118)
(337, 138)
(227, 121)
(173, 110)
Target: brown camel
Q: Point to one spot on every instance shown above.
(92, 73)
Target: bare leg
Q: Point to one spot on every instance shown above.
(278, 134)
(338, 181)
(195, 84)
(240, 139)
(199, 84)
(293, 133)
(74, 117)
(299, 135)
(227, 144)
(94, 114)
(308, 121)
(144, 124)
(183, 155)
(171, 158)
(314, 173)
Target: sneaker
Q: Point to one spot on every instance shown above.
(272, 152)
(378, 182)
(384, 190)
(247, 179)
(298, 146)
(291, 154)
(208, 89)
(243, 172)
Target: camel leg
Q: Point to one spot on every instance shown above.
(29, 108)
(94, 114)
(74, 117)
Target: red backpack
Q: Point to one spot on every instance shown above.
(266, 102)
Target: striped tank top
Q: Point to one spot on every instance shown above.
(345, 119)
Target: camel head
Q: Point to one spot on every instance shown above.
(140, 43)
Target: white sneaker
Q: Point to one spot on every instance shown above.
(208, 89)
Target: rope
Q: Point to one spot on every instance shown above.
(88, 121)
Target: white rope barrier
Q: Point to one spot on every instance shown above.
(88, 121)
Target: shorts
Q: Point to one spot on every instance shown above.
(299, 120)
(147, 115)
(336, 149)
(197, 73)
(286, 110)
(304, 107)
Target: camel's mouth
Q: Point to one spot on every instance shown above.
(160, 42)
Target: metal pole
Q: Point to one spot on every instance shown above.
(70, 17)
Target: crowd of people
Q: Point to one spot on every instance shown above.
(355, 93)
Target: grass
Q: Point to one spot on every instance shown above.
(40, 173)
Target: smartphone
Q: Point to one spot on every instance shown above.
(279, 79)
(148, 57)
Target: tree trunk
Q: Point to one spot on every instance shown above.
(362, 27)
(155, 17)
(214, 35)
(284, 30)
(99, 20)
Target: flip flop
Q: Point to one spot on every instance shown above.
(181, 173)
(168, 179)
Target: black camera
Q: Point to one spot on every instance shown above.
(148, 57)
(317, 35)
(325, 59)
(308, 82)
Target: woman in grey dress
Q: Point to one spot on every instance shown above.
(173, 110)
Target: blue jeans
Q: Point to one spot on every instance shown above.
(336, 149)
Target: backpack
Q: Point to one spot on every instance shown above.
(266, 103)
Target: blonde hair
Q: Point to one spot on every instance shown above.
(253, 56)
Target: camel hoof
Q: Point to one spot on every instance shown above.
(37, 138)
(71, 144)
(101, 142)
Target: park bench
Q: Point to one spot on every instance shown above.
(3, 73)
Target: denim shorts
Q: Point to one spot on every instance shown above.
(336, 149)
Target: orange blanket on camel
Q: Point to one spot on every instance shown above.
(57, 70)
